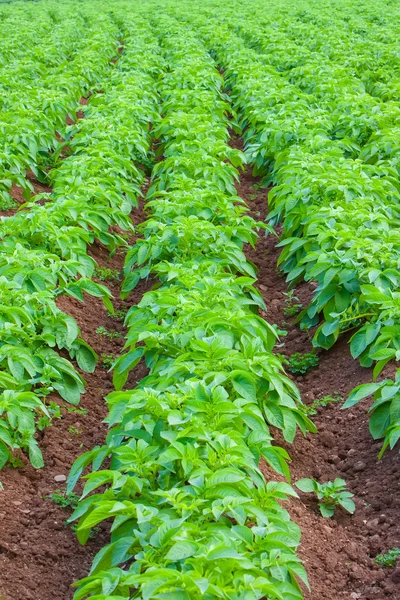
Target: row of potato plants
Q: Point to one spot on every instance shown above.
(361, 41)
(192, 514)
(43, 254)
(351, 253)
(50, 58)
(361, 110)
(314, 184)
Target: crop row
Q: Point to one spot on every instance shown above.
(340, 214)
(49, 60)
(179, 474)
(351, 254)
(43, 254)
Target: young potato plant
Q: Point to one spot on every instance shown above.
(192, 514)
(331, 495)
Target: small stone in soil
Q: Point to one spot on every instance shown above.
(60, 478)
(396, 575)
(373, 524)
(327, 439)
(360, 466)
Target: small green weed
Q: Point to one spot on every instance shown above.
(292, 305)
(107, 361)
(312, 409)
(389, 559)
(74, 430)
(105, 274)
(77, 411)
(54, 412)
(300, 364)
(111, 334)
(119, 314)
(64, 500)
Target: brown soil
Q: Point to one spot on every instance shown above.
(338, 553)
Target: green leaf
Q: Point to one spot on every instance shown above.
(244, 386)
(348, 505)
(306, 485)
(5, 454)
(361, 392)
(35, 455)
(86, 357)
(181, 550)
(326, 511)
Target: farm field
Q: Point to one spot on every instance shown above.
(199, 280)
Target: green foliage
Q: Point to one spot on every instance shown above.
(389, 559)
(178, 475)
(105, 274)
(384, 422)
(312, 409)
(318, 105)
(330, 495)
(61, 498)
(300, 364)
(43, 255)
(292, 306)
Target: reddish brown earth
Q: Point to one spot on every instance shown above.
(338, 553)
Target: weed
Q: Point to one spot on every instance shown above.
(292, 305)
(74, 430)
(54, 413)
(389, 559)
(107, 361)
(64, 500)
(77, 411)
(111, 334)
(105, 274)
(312, 409)
(119, 314)
(300, 364)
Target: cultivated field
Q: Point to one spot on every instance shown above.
(199, 300)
